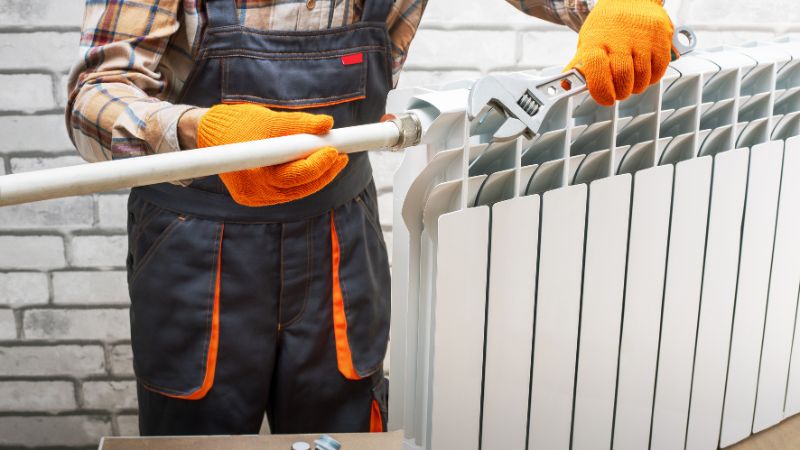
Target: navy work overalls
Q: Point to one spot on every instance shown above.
(285, 309)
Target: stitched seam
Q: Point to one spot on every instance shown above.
(297, 102)
(309, 242)
(345, 295)
(280, 294)
(148, 217)
(325, 54)
(137, 232)
(210, 303)
(360, 92)
(223, 78)
(163, 390)
(207, 339)
(200, 55)
(148, 255)
(367, 211)
(236, 29)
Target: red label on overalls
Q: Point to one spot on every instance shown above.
(353, 58)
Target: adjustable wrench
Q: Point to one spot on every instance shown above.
(525, 100)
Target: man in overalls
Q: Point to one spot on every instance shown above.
(268, 289)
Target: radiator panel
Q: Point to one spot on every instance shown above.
(458, 338)
(717, 299)
(627, 279)
(751, 294)
(510, 315)
(601, 310)
(557, 310)
(681, 302)
(782, 300)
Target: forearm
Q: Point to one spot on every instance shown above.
(112, 119)
(118, 104)
(571, 13)
(187, 128)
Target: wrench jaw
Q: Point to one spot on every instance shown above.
(521, 100)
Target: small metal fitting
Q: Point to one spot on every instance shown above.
(326, 442)
(410, 130)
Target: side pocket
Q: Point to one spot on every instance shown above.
(380, 406)
(175, 307)
(148, 227)
(368, 201)
(361, 292)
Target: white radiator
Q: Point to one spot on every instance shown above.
(628, 279)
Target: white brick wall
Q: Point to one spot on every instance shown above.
(65, 358)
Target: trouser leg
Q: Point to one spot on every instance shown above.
(178, 267)
(329, 371)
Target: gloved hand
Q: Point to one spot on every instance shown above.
(623, 47)
(264, 186)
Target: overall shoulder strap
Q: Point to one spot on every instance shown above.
(376, 10)
(221, 13)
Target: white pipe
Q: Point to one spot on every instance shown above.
(165, 167)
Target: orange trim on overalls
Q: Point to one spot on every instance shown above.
(344, 358)
(375, 419)
(297, 107)
(213, 344)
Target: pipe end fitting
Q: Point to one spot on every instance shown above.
(410, 129)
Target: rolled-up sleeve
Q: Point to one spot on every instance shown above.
(116, 107)
(571, 13)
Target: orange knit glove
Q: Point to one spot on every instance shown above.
(623, 47)
(264, 186)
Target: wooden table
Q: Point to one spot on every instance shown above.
(784, 436)
(366, 441)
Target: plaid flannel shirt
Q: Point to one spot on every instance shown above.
(137, 54)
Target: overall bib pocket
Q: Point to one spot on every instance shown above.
(174, 282)
(300, 86)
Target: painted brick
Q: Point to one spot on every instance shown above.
(62, 212)
(86, 288)
(27, 92)
(121, 360)
(99, 251)
(545, 49)
(8, 325)
(55, 360)
(23, 288)
(101, 324)
(488, 49)
(482, 12)
(62, 96)
(113, 211)
(19, 165)
(37, 396)
(54, 431)
(34, 134)
(31, 252)
(459, 39)
(128, 425)
(434, 78)
(41, 13)
(109, 395)
(743, 13)
(43, 51)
